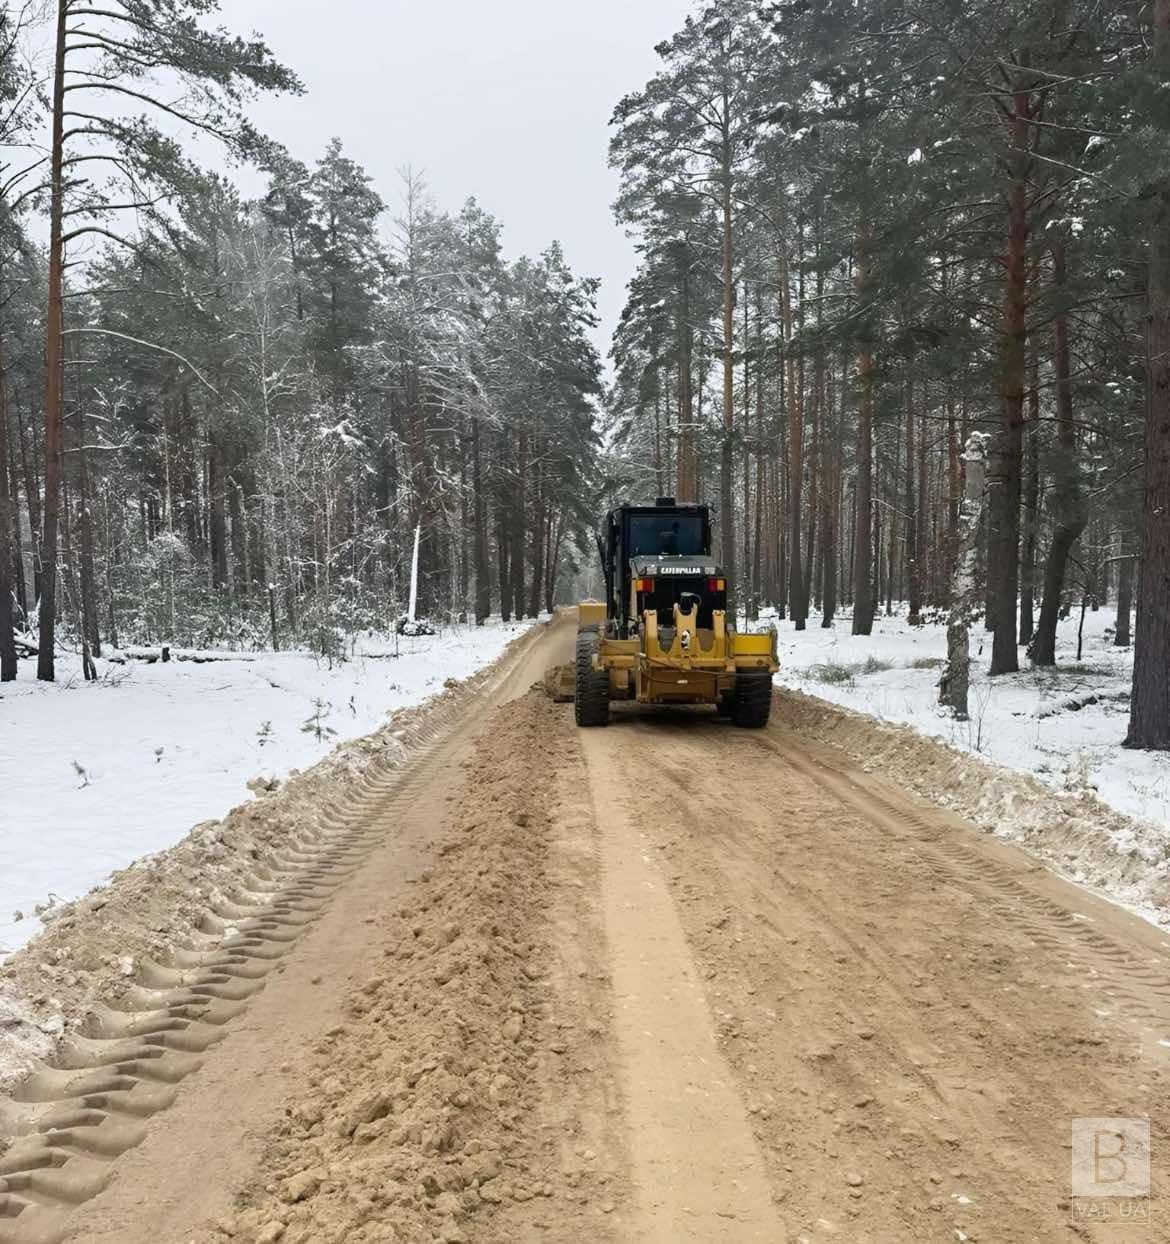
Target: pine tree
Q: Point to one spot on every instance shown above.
(1149, 718)
(688, 134)
(115, 56)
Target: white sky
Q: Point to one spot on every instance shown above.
(508, 100)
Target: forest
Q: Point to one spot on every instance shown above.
(867, 233)
(225, 420)
(871, 231)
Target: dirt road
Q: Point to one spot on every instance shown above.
(666, 981)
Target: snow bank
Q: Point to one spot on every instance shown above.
(96, 775)
(1063, 726)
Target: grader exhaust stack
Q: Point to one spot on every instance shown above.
(662, 635)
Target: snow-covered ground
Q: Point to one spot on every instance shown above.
(94, 775)
(1037, 721)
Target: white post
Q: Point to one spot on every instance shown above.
(414, 575)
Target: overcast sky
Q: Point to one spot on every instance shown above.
(508, 100)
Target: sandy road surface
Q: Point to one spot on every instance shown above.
(666, 981)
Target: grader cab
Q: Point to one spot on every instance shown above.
(662, 635)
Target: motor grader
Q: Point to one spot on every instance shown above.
(662, 635)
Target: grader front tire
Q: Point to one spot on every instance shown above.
(591, 696)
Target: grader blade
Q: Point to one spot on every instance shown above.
(559, 683)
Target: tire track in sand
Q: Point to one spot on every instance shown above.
(697, 1172)
(68, 1131)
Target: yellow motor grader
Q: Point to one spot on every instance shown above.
(662, 635)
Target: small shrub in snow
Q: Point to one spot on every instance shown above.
(315, 724)
(981, 693)
(839, 674)
(264, 733)
(833, 672)
(1078, 777)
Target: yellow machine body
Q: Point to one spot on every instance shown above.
(680, 665)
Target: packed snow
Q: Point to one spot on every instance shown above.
(1064, 724)
(95, 775)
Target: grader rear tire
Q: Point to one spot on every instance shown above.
(751, 702)
(591, 693)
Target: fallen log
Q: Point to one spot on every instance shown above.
(198, 656)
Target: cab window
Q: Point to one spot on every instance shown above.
(666, 535)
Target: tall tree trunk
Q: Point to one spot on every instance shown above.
(831, 505)
(954, 479)
(111, 558)
(217, 487)
(850, 559)
(924, 507)
(701, 478)
(32, 494)
(797, 607)
(187, 456)
(813, 574)
(759, 591)
(537, 511)
(726, 509)
(1149, 710)
(52, 499)
(955, 678)
(894, 542)
(1072, 512)
(659, 490)
(519, 503)
(70, 593)
(556, 540)
(483, 583)
(750, 601)
(914, 510)
(7, 556)
(954, 482)
(1031, 507)
(89, 607)
(1005, 469)
(781, 515)
(669, 435)
(20, 586)
(423, 488)
(240, 561)
(465, 532)
(686, 483)
(1121, 634)
(815, 455)
(863, 585)
(503, 556)
(771, 556)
